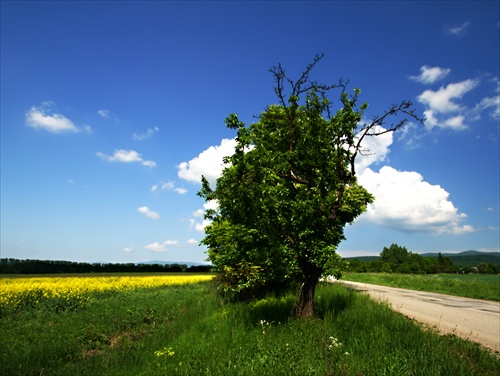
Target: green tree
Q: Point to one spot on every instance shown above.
(395, 255)
(290, 188)
(445, 263)
(482, 267)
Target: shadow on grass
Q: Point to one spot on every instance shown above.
(329, 302)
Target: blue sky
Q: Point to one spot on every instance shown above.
(111, 111)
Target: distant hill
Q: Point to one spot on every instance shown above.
(469, 258)
(466, 258)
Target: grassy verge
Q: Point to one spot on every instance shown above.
(476, 286)
(188, 330)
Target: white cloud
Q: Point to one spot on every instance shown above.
(374, 150)
(168, 186)
(430, 75)
(405, 202)
(150, 132)
(211, 205)
(126, 156)
(104, 113)
(489, 103)
(208, 163)
(128, 249)
(171, 242)
(441, 105)
(192, 241)
(201, 226)
(148, 212)
(41, 117)
(198, 213)
(161, 247)
(455, 123)
(155, 247)
(442, 100)
(411, 135)
(456, 30)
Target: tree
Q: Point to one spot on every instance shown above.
(290, 188)
(395, 255)
(445, 263)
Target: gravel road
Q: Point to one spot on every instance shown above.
(472, 319)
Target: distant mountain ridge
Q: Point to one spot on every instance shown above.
(464, 253)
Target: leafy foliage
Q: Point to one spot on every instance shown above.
(397, 259)
(289, 189)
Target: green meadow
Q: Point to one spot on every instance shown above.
(476, 286)
(189, 330)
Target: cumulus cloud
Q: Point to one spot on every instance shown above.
(374, 150)
(404, 201)
(192, 242)
(443, 111)
(126, 156)
(442, 100)
(456, 30)
(168, 186)
(208, 163)
(42, 117)
(148, 212)
(429, 75)
(150, 132)
(161, 247)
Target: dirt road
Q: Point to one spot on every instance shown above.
(472, 319)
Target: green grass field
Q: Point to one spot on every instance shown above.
(476, 286)
(189, 330)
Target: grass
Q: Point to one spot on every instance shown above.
(476, 286)
(189, 330)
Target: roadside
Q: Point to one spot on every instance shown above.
(472, 319)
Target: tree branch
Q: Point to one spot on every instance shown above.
(370, 129)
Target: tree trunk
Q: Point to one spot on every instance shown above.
(304, 307)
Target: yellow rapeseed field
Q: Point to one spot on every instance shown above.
(31, 291)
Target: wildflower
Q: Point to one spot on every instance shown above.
(334, 343)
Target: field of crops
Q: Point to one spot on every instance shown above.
(70, 292)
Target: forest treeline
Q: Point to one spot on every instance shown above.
(394, 259)
(397, 259)
(15, 266)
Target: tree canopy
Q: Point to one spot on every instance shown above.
(290, 188)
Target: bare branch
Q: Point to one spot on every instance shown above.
(370, 129)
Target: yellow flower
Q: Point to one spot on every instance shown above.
(16, 291)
